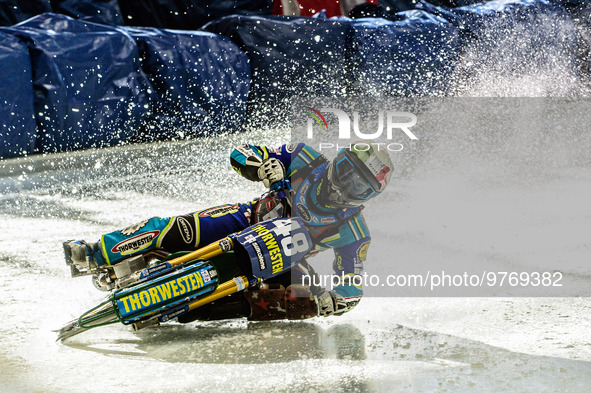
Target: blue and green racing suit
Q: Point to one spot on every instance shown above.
(343, 230)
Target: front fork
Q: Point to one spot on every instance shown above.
(124, 273)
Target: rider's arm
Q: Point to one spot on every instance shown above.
(350, 245)
(247, 159)
(348, 270)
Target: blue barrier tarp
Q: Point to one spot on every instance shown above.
(580, 10)
(97, 11)
(17, 128)
(15, 11)
(412, 56)
(510, 39)
(188, 14)
(505, 16)
(202, 81)
(318, 57)
(89, 87)
(289, 55)
(508, 13)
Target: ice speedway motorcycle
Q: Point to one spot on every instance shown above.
(156, 287)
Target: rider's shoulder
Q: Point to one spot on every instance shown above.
(352, 228)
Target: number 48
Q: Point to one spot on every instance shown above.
(291, 244)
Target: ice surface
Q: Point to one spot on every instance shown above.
(509, 200)
(407, 344)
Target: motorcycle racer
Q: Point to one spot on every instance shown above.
(327, 196)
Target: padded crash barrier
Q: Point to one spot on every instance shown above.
(99, 11)
(294, 56)
(512, 37)
(97, 85)
(289, 56)
(201, 80)
(188, 14)
(15, 11)
(89, 88)
(172, 14)
(415, 55)
(17, 129)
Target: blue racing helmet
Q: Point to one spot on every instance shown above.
(358, 173)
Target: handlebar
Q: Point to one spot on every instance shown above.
(280, 187)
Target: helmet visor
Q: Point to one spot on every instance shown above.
(351, 182)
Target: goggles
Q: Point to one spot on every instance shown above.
(350, 181)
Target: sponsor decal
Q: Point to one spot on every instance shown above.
(225, 245)
(328, 220)
(174, 314)
(134, 228)
(205, 275)
(305, 187)
(260, 256)
(161, 293)
(303, 212)
(362, 251)
(136, 243)
(290, 148)
(219, 211)
(154, 269)
(378, 169)
(246, 150)
(185, 229)
(240, 284)
(273, 249)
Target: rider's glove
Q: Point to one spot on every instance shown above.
(271, 171)
(325, 304)
(331, 303)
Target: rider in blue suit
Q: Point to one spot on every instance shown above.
(326, 196)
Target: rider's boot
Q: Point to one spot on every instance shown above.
(82, 257)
